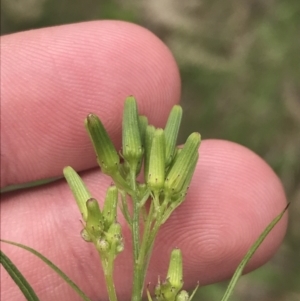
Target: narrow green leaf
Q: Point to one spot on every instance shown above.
(250, 253)
(53, 267)
(78, 188)
(194, 292)
(148, 295)
(18, 278)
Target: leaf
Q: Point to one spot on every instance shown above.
(53, 267)
(18, 278)
(238, 272)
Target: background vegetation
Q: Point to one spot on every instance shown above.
(240, 67)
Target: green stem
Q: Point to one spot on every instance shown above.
(135, 218)
(124, 208)
(147, 245)
(137, 292)
(141, 265)
(158, 222)
(145, 252)
(108, 266)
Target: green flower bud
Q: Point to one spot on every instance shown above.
(182, 296)
(192, 167)
(183, 166)
(157, 291)
(168, 290)
(180, 196)
(156, 175)
(78, 188)
(94, 222)
(143, 123)
(107, 156)
(165, 291)
(115, 238)
(148, 143)
(171, 132)
(115, 230)
(102, 245)
(175, 274)
(85, 235)
(132, 143)
(176, 153)
(109, 211)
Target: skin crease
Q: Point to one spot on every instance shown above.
(51, 79)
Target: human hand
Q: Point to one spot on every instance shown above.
(51, 79)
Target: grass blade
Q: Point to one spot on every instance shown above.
(237, 274)
(18, 278)
(53, 267)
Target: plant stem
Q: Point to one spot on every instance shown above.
(141, 265)
(135, 218)
(137, 291)
(146, 249)
(108, 265)
(142, 250)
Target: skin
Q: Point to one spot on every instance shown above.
(51, 79)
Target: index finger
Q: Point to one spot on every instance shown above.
(52, 78)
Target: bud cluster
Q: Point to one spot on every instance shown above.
(167, 173)
(100, 227)
(168, 170)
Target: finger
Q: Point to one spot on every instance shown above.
(52, 78)
(233, 196)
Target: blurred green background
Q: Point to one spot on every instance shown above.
(240, 68)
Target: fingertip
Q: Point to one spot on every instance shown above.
(233, 197)
(53, 77)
